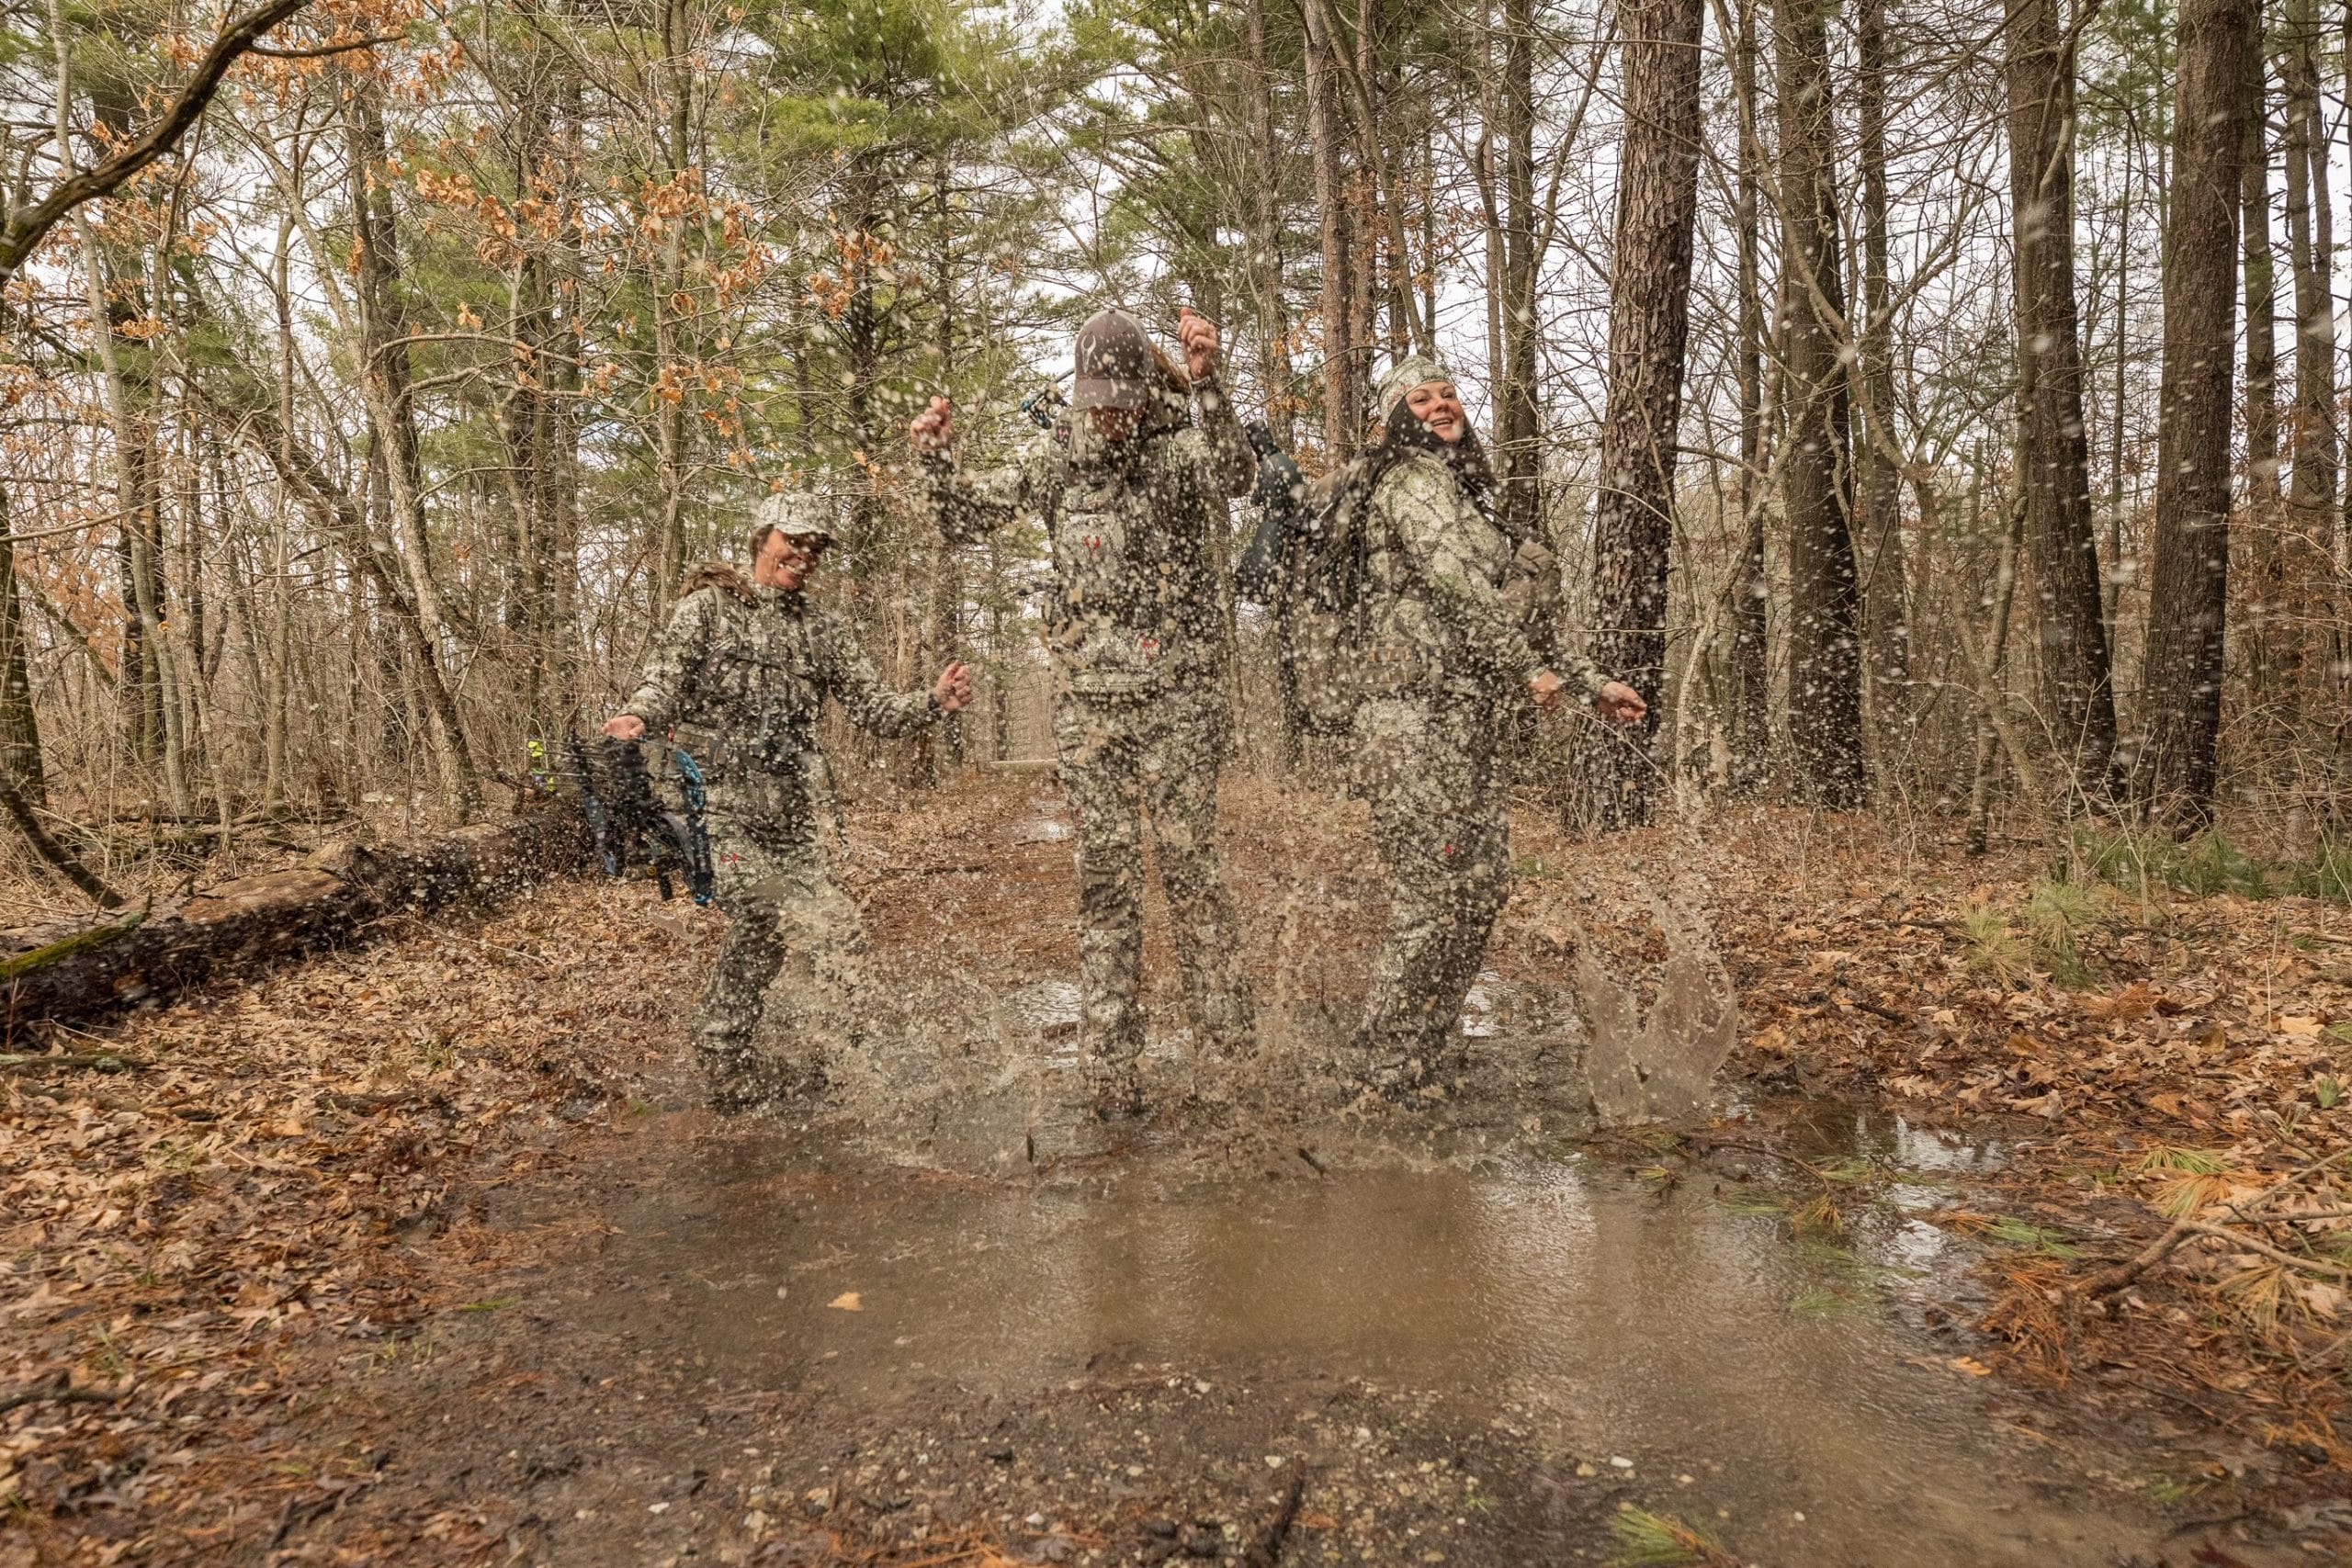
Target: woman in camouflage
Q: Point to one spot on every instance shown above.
(1443, 661)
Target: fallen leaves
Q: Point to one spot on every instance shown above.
(2193, 1063)
(177, 1237)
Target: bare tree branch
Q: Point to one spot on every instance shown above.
(26, 229)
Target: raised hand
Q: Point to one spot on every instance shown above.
(1198, 334)
(954, 688)
(934, 429)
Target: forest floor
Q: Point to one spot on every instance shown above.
(2018, 1237)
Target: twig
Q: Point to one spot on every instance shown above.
(2109, 1281)
(2239, 1238)
(322, 50)
(62, 1393)
(1267, 1549)
(91, 1060)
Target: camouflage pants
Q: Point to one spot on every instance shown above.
(1438, 811)
(1120, 761)
(775, 882)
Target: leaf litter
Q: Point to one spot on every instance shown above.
(293, 1168)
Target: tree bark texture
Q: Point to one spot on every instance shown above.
(1518, 432)
(1878, 474)
(2053, 446)
(20, 758)
(1265, 270)
(2257, 540)
(1649, 329)
(1342, 394)
(2295, 645)
(2174, 771)
(1751, 696)
(1825, 621)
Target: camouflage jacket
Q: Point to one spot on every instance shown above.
(1448, 595)
(1135, 533)
(743, 673)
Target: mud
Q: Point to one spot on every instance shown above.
(943, 1315)
(755, 1344)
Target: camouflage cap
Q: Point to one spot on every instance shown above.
(1414, 371)
(795, 513)
(1115, 370)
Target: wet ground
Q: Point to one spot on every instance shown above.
(944, 1317)
(780, 1346)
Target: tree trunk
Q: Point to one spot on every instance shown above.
(20, 758)
(1825, 665)
(2261, 299)
(1518, 456)
(1649, 327)
(75, 971)
(1343, 395)
(2261, 584)
(669, 413)
(2053, 448)
(1751, 715)
(2297, 679)
(2172, 773)
(391, 417)
(1878, 476)
(1265, 270)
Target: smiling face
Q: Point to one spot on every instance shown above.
(1439, 406)
(787, 562)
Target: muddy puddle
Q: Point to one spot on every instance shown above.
(953, 1231)
(1672, 1340)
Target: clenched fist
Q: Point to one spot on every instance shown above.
(954, 689)
(934, 429)
(1198, 334)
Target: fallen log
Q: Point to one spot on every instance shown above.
(65, 971)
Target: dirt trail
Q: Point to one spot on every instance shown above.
(421, 1254)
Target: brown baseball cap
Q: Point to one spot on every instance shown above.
(1114, 363)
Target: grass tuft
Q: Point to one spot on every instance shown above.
(1660, 1540)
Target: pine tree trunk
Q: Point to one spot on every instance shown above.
(1877, 476)
(2298, 677)
(1265, 270)
(670, 428)
(2061, 548)
(1342, 402)
(2174, 771)
(1825, 663)
(1649, 327)
(1518, 454)
(2261, 584)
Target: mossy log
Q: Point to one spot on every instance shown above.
(67, 971)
